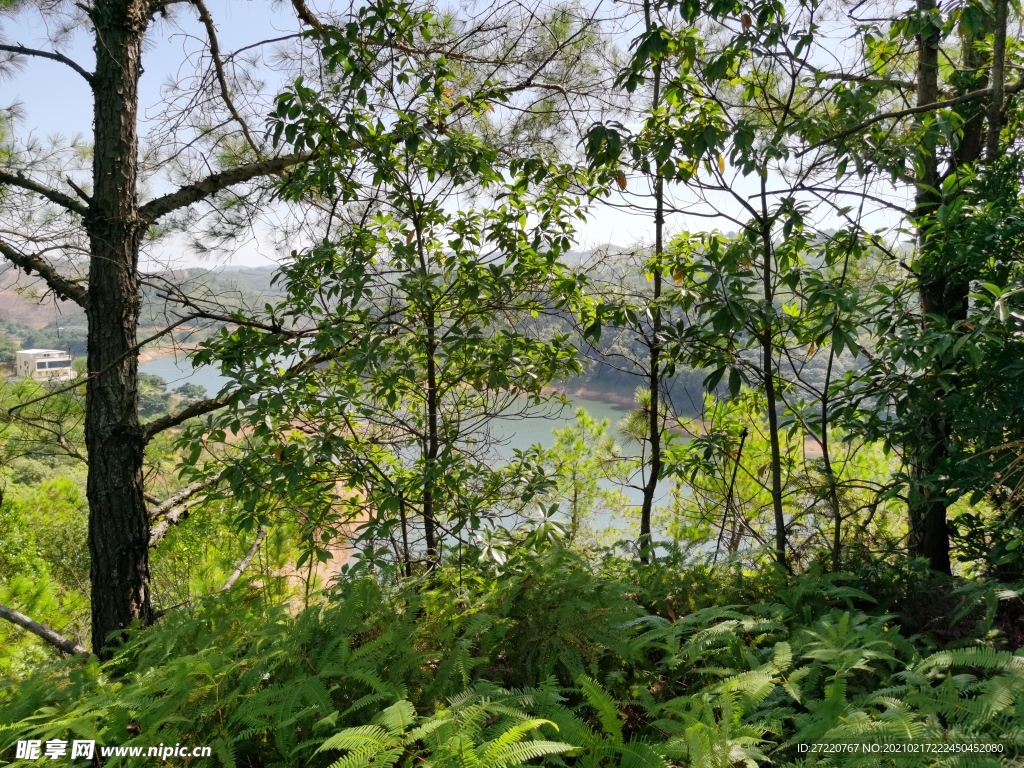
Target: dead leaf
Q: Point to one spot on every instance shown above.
(746, 21)
(620, 179)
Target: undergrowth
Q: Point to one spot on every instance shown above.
(561, 663)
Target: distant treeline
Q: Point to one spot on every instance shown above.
(15, 336)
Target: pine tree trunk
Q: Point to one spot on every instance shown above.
(118, 520)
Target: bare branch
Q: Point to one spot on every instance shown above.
(218, 68)
(64, 201)
(63, 287)
(193, 193)
(58, 641)
(864, 79)
(78, 190)
(930, 107)
(177, 498)
(173, 516)
(21, 50)
(305, 15)
(151, 428)
(240, 569)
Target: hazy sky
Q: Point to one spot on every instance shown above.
(53, 99)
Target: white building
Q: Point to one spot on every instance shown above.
(47, 365)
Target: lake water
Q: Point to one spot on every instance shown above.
(516, 433)
(520, 433)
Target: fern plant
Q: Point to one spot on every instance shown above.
(472, 732)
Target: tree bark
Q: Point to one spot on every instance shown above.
(928, 535)
(998, 76)
(654, 371)
(118, 520)
(768, 376)
(431, 441)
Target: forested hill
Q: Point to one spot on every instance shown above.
(30, 317)
(613, 364)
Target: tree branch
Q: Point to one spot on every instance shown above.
(21, 50)
(151, 428)
(193, 193)
(156, 426)
(177, 498)
(59, 642)
(262, 534)
(173, 516)
(305, 15)
(218, 68)
(63, 287)
(64, 201)
(930, 107)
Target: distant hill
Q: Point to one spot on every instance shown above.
(31, 317)
(26, 303)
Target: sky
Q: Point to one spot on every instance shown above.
(55, 100)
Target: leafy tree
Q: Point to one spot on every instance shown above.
(405, 328)
(584, 460)
(190, 392)
(956, 133)
(86, 205)
(750, 116)
(8, 348)
(154, 399)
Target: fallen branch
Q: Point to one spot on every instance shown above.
(163, 507)
(246, 560)
(173, 516)
(59, 642)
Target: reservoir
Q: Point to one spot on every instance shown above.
(518, 433)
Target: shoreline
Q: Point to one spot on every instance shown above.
(612, 397)
(150, 353)
(615, 397)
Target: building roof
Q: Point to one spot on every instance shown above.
(43, 352)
